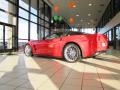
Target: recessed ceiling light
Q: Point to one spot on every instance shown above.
(52, 21)
(89, 14)
(81, 20)
(77, 15)
(74, 6)
(88, 23)
(90, 4)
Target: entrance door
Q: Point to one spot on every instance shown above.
(7, 40)
(8, 37)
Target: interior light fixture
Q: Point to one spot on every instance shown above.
(56, 8)
(89, 14)
(81, 20)
(72, 4)
(71, 20)
(90, 4)
(77, 15)
(52, 21)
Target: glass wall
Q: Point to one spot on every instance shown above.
(36, 15)
(112, 9)
(1, 37)
(30, 17)
(8, 22)
(114, 34)
(23, 24)
(7, 12)
(114, 37)
(23, 29)
(110, 37)
(33, 31)
(118, 37)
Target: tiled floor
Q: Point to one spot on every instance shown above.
(18, 72)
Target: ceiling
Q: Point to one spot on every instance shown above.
(89, 15)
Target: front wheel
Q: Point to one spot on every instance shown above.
(28, 50)
(72, 53)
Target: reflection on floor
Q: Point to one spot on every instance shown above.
(18, 72)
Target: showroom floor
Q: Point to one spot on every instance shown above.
(18, 72)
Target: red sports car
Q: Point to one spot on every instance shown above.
(71, 45)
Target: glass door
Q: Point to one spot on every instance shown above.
(1, 38)
(7, 37)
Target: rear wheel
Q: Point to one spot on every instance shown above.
(28, 50)
(72, 52)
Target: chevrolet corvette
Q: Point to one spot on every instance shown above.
(71, 46)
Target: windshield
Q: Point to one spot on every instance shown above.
(54, 35)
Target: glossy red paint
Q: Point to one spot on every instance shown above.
(89, 44)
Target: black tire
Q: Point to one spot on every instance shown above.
(28, 50)
(72, 53)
